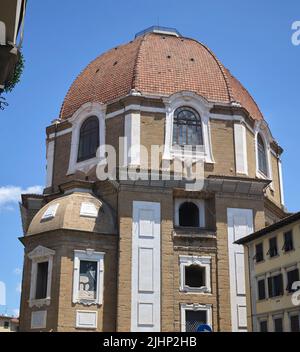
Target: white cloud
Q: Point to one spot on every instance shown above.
(10, 195)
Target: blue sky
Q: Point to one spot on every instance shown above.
(251, 38)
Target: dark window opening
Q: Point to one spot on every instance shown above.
(88, 279)
(194, 318)
(6, 325)
(275, 285)
(189, 215)
(261, 289)
(263, 326)
(88, 139)
(292, 276)
(41, 280)
(295, 324)
(194, 276)
(187, 128)
(288, 241)
(273, 250)
(278, 325)
(259, 256)
(262, 156)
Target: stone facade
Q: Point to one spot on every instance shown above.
(67, 231)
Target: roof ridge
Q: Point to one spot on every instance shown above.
(138, 57)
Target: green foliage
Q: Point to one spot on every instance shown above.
(10, 85)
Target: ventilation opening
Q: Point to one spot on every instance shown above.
(188, 215)
(194, 276)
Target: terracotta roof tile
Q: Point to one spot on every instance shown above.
(157, 64)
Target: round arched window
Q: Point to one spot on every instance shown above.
(187, 127)
(189, 215)
(88, 139)
(262, 155)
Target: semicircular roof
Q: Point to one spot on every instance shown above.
(157, 64)
(76, 211)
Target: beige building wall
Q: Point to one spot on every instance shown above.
(282, 305)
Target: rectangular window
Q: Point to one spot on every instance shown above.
(263, 326)
(259, 255)
(87, 280)
(261, 289)
(294, 322)
(6, 325)
(288, 241)
(41, 280)
(273, 250)
(278, 325)
(194, 318)
(292, 276)
(195, 274)
(275, 285)
(88, 276)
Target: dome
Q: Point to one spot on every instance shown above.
(158, 64)
(76, 211)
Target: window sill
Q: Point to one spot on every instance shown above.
(39, 302)
(85, 165)
(260, 262)
(202, 290)
(86, 302)
(195, 232)
(274, 256)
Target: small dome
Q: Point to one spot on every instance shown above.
(160, 64)
(76, 211)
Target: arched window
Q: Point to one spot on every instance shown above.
(187, 129)
(262, 156)
(88, 139)
(189, 215)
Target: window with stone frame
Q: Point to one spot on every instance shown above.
(194, 315)
(263, 325)
(273, 248)
(262, 156)
(275, 285)
(259, 252)
(278, 324)
(294, 322)
(195, 274)
(88, 139)
(261, 288)
(288, 241)
(187, 127)
(88, 279)
(41, 276)
(292, 276)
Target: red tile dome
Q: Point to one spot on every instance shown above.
(160, 64)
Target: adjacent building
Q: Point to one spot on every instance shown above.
(272, 257)
(130, 254)
(8, 324)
